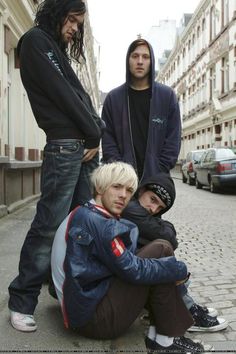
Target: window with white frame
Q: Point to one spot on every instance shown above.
(224, 75)
(203, 89)
(193, 46)
(212, 23)
(203, 33)
(189, 51)
(194, 95)
(225, 12)
(198, 40)
(184, 104)
(235, 65)
(198, 97)
(189, 100)
(184, 60)
(212, 81)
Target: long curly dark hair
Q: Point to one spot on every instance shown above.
(51, 15)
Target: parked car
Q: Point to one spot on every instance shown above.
(216, 169)
(188, 166)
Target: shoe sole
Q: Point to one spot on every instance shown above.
(217, 328)
(24, 329)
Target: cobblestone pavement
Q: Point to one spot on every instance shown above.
(206, 228)
(206, 225)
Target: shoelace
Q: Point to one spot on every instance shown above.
(202, 309)
(188, 344)
(199, 309)
(211, 321)
(201, 316)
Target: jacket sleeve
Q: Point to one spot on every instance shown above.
(90, 142)
(129, 267)
(151, 227)
(110, 149)
(171, 148)
(36, 65)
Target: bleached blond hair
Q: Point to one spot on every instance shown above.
(114, 173)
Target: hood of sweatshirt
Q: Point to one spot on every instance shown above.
(152, 69)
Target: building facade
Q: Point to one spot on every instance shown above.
(202, 70)
(21, 141)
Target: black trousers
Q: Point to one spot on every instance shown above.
(124, 301)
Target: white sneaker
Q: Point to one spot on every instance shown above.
(22, 322)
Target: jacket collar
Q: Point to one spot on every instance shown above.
(99, 210)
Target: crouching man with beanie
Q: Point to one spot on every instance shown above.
(154, 197)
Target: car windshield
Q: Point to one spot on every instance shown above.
(224, 153)
(197, 155)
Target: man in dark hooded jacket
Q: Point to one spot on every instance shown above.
(154, 197)
(142, 117)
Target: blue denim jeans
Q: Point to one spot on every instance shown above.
(188, 300)
(63, 175)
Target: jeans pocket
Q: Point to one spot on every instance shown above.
(70, 149)
(64, 147)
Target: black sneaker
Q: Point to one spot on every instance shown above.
(186, 345)
(181, 345)
(207, 310)
(204, 322)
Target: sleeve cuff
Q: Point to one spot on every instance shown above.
(91, 143)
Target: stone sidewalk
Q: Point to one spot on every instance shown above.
(206, 228)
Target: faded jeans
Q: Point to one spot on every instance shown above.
(62, 172)
(188, 300)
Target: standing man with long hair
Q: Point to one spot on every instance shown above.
(64, 111)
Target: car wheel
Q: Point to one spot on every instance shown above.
(213, 188)
(198, 184)
(184, 179)
(191, 181)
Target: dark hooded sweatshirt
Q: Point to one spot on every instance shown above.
(164, 132)
(152, 227)
(60, 105)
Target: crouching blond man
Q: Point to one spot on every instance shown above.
(101, 283)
